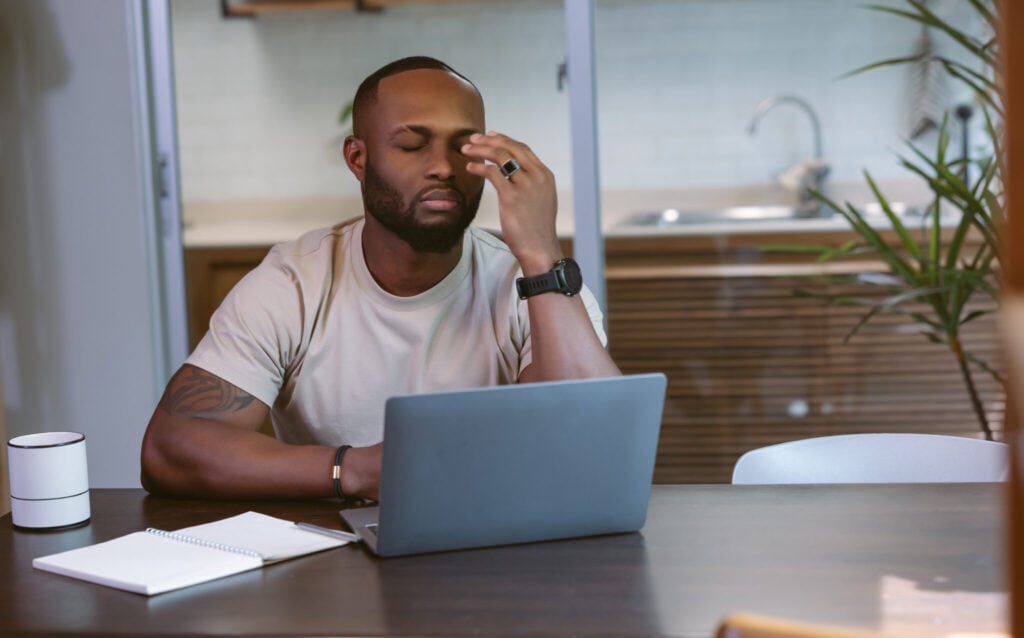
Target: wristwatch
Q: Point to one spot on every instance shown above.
(565, 278)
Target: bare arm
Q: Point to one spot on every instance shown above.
(203, 440)
(565, 345)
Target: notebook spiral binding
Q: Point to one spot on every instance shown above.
(185, 538)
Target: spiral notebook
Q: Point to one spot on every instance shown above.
(154, 561)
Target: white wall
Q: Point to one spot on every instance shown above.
(678, 81)
(76, 325)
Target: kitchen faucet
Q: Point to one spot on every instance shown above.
(809, 174)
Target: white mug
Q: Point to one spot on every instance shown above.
(49, 480)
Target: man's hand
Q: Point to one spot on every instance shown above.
(527, 201)
(565, 345)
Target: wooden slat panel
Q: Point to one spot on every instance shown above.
(742, 353)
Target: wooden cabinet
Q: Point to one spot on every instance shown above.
(748, 362)
(210, 274)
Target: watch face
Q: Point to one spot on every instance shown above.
(572, 276)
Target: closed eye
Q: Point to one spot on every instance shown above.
(459, 143)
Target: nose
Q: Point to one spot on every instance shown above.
(440, 163)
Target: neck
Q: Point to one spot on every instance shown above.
(399, 269)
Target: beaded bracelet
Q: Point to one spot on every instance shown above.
(336, 473)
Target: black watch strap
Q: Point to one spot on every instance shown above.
(530, 286)
(564, 278)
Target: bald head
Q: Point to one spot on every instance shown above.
(368, 91)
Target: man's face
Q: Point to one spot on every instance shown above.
(415, 182)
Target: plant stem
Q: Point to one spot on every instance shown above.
(965, 370)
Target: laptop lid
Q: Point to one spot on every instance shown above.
(515, 464)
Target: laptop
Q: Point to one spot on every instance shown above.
(514, 464)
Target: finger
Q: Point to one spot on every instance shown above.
(492, 173)
(499, 148)
(520, 150)
(498, 168)
(489, 152)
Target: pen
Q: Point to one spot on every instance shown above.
(335, 533)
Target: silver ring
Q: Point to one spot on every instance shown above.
(509, 168)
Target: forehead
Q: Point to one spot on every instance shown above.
(429, 98)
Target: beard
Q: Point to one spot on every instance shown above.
(384, 203)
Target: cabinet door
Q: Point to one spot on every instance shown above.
(750, 363)
(746, 363)
(211, 273)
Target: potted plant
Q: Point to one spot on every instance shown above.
(928, 280)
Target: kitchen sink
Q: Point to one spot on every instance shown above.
(675, 217)
(680, 217)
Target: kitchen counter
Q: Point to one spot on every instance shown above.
(265, 222)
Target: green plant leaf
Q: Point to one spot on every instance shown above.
(871, 237)
(935, 237)
(989, 16)
(909, 59)
(963, 226)
(928, 18)
(971, 316)
(824, 253)
(908, 242)
(889, 303)
(865, 318)
(850, 247)
(977, 361)
(995, 137)
(939, 286)
(983, 90)
(980, 363)
(346, 113)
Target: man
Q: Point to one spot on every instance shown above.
(404, 299)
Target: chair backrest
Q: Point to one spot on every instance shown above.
(744, 625)
(876, 458)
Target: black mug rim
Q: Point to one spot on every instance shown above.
(11, 443)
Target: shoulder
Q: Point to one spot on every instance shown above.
(311, 260)
(295, 271)
(321, 246)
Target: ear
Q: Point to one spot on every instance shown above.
(354, 151)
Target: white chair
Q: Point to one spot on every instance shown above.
(876, 458)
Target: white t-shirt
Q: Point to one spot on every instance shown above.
(311, 334)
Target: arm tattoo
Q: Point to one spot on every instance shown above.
(198, 393)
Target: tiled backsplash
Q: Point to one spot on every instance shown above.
(678, 81)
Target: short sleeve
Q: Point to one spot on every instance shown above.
(255, 332)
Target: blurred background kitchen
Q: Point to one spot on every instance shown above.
(713, 117)
(678, 84)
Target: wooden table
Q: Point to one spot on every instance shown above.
(891, 557)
